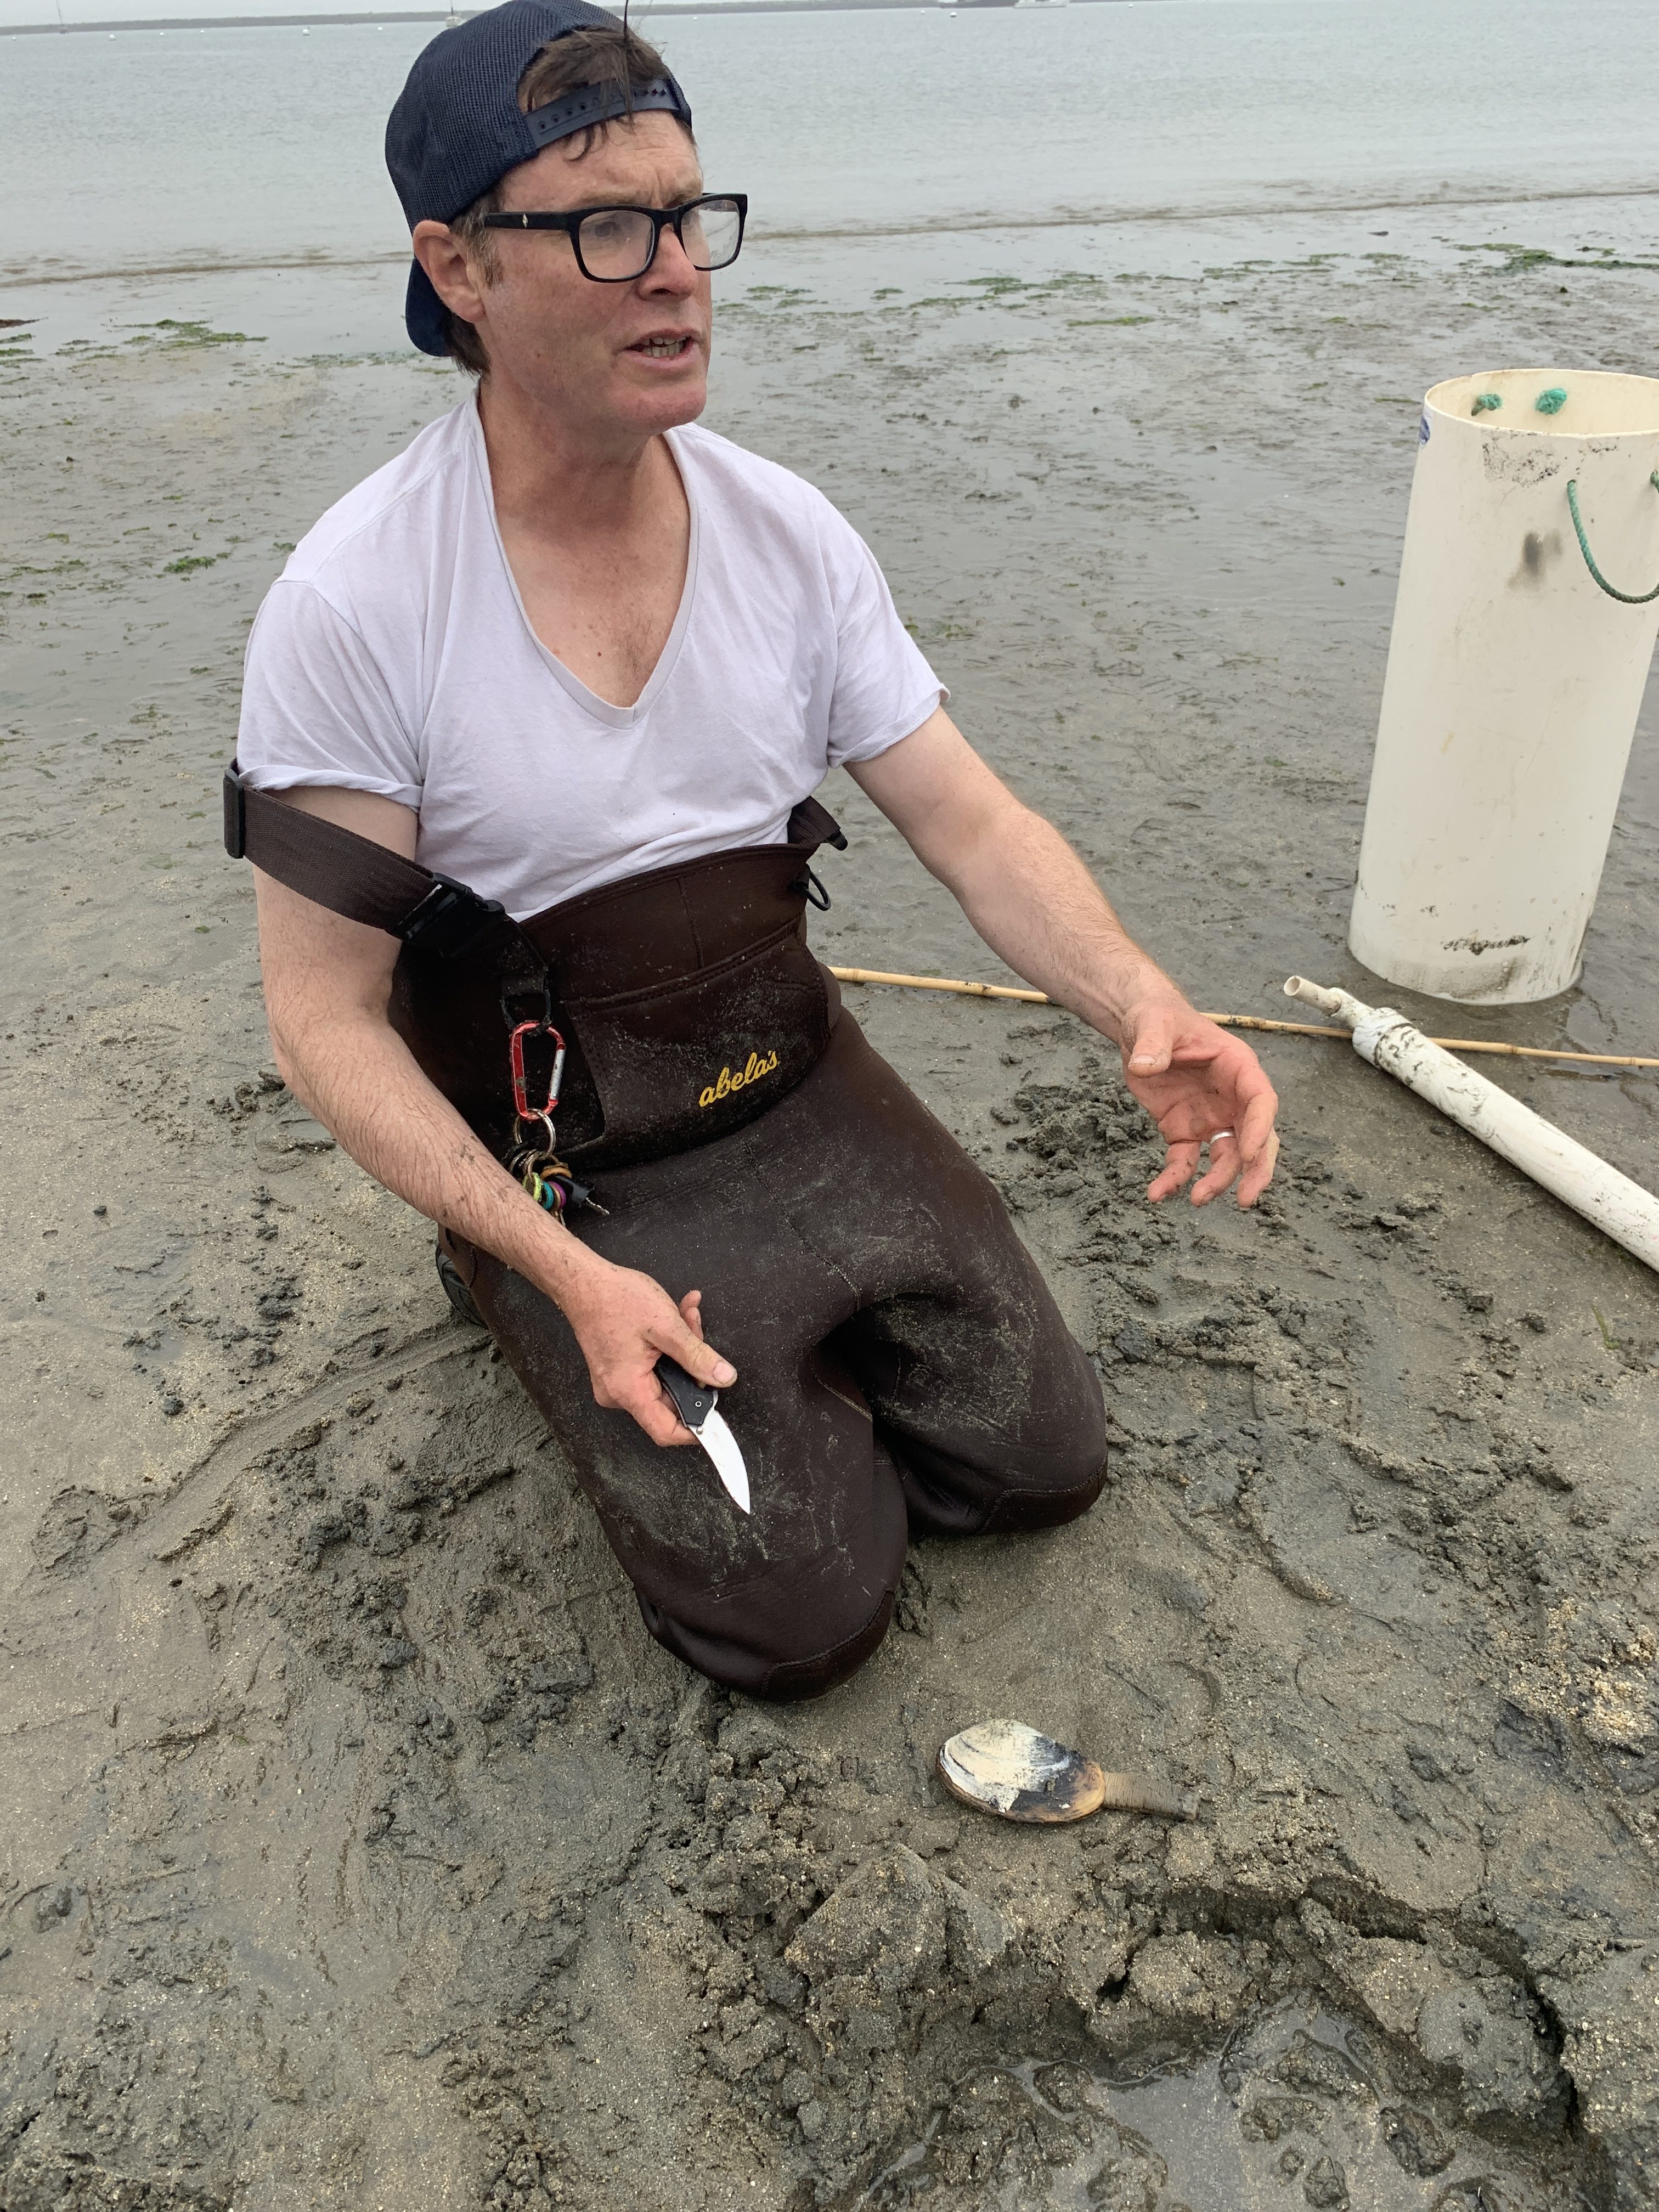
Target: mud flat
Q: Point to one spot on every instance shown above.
(359, 1849)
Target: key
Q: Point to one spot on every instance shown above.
(549, 1180)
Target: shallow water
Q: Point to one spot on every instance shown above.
(227, 145)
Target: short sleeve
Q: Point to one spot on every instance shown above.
(884, 686)
(316, 706)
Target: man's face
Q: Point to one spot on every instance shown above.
(627, 359)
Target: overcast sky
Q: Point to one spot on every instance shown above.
(122, 11)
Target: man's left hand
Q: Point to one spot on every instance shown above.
(1202, 1086)
(1035, 903)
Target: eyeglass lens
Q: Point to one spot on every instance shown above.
(618, 242)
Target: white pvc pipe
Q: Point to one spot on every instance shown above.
(1513, 683)
(1621, 1208)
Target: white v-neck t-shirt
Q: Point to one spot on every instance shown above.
(394, 655)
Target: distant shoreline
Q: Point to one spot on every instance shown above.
(445, 15)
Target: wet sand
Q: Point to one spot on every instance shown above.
(361, 1849)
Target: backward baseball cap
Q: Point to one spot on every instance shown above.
(458, 128)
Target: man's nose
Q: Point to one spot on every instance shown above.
(672, 269)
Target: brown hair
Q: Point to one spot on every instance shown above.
(616, 60)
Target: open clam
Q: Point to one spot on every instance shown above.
(1006, 1768)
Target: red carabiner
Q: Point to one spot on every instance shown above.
(521, 1103)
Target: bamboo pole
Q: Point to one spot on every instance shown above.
(1245, 1021)
(937, 983)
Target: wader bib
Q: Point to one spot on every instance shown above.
(901, 1365)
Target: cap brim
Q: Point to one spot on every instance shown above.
(423, 313)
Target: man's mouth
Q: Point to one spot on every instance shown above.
(671, 348)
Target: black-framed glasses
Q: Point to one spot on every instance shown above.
(615, 245)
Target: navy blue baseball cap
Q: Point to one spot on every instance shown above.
(458, 128)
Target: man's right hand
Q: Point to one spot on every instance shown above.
(328, 984)
(624, 1322)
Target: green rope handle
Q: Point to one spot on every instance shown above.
(1628, 598)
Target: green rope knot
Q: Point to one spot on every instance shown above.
(1550, 402)
(1626, 598)
(1485, 400)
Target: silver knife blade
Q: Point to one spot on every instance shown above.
(696, 1403)
(721, 1446)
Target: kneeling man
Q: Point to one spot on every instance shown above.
(530, 726)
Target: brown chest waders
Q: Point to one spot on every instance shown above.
(901, 1365)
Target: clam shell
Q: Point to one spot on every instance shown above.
(1009, 1769)
(1003, 1766)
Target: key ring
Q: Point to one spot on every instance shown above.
(520, 1139)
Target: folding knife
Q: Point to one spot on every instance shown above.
(698, 1405)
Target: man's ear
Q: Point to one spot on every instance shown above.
(440, 253)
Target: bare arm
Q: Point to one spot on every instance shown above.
(327, 986)
(1035, 903)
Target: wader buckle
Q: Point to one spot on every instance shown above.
(449, 920)
(235, 814)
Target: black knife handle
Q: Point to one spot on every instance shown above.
(694, 1401)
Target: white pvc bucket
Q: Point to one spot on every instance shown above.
(1514, 683)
